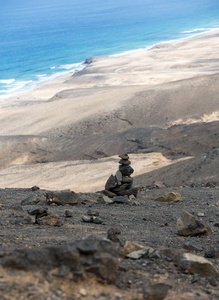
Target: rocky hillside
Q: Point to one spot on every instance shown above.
(199, 140)
(178, 119)
(199, 170)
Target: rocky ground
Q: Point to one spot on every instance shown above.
(42, 255)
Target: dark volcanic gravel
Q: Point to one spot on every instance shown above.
(146, 222)
(150, 222)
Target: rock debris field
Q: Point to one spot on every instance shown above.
(162, 244)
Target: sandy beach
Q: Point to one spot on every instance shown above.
(165, 62)
(170, 84)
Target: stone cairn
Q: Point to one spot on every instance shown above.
(121, 183)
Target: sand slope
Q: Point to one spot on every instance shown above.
(135, 103)
(79, 176)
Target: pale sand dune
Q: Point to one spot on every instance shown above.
(79, 176)
(140, 71)
(36, 117)
(163, 63)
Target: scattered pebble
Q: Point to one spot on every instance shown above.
(68, 214)
(91, 219)
(200, 214)
(92, 213)
(83, 292)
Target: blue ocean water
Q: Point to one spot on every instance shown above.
(42, 39)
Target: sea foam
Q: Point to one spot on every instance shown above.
(13, 87)
(71, 66)
(7, 81)
(195, 30)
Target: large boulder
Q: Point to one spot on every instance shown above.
(188, 225)
(195, 264)
(81, 257)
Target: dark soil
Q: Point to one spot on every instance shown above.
(148, 223)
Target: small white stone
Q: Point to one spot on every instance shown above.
(107, 200)
(140, 253)
(118, 295)
(83, 292)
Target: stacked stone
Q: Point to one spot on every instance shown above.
(121, 183)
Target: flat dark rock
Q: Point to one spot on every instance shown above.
(120, 199)
(124, 156)
(62, 198)
(124, 162)
(37, 210)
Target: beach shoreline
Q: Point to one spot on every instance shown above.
(57, 79)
